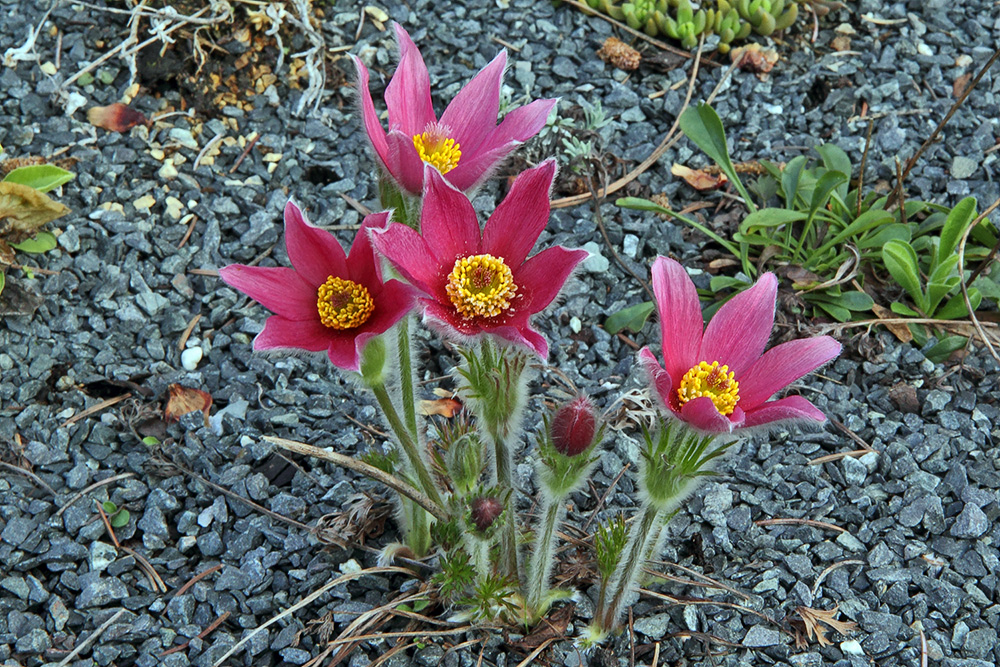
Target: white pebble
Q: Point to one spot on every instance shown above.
(191, 357)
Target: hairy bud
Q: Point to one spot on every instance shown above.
(485, 511)
(573, 426)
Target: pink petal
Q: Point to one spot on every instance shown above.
(363, 265)
(394, 302)
(514, 227)
(540, 278)
(738, 333)
(408, 95)
(702, 414)
(782, 365)
(472, 114)
(315, 253)
(448, 222)
(280, 290)
(280, 334)
(408, 252)
(524, 336)
(681, 323)
(404, 162)
(373, 126)
(344, 352)
(659, 378)
(443, 318)
(517, 127)
(790, 408)
(520, 124)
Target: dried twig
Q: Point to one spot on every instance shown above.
(964, 284)
(343, 579)
(201, 635)
(804, 522)
(103, 405)
(95, 485)
(822, 575)
(196, 578)
(27, 473)
(94, 635)
(669, 140)
(365, 469)
(944, 121)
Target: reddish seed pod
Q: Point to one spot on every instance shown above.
(573, 426)
(485, 511)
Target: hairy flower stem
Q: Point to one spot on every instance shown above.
(406, 379)
(542, 557)
(505, 483)
(630, 565)
(407, 442)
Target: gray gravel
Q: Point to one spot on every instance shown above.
(919, 516)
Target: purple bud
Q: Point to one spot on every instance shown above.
(485, 511)
(573, 426)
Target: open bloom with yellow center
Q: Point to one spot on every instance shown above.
(719, 378)
(476, 281)
(329, 302)
(466, 144)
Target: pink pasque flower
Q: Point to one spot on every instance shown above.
(482, 282)
(719, 378)
(328, 302)
(465, 144)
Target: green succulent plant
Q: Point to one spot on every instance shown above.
(731, 20)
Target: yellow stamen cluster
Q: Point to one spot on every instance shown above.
(481, 286)
(714, 381)
(437, 150)
(343, 304)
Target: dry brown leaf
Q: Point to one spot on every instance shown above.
(447, 407)
(699, 179)
(754, 58)
(183, 400)
(619, 54)
(24, 209)
(116, 117)
(815, 619)
(898, 329)
(13, 163)
(841, 43)
(961, 83)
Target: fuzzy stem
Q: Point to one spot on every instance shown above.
(633, 558)
(479, 551)
(505, 483)
(406, 378)
(542, 556)
(418, 531)
(407, 442)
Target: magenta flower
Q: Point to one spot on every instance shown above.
(482, 282)
(465, 144)
(719, 378)
(328, 301)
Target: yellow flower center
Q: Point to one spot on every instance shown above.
(435, 148)
(714, 381)
(343, 304)
(481, 286)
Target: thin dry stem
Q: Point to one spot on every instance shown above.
(964, 283)
(365, 469)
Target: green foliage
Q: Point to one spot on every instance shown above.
(494, 596)
(632, 318)
(41, 177)
(43, 242)
(731, 20)
(456, 575)
(609, 541)
(675, 456)
(829, 239)
(117, 517)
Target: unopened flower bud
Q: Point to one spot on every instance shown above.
(485, 511)
(573, 426)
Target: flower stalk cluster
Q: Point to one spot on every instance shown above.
(481, 288)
